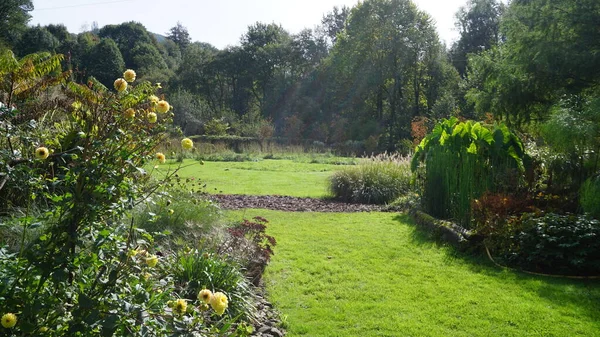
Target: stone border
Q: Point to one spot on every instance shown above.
(454, 234)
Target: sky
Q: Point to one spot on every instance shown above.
(218, 22)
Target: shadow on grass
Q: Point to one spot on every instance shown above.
(561, 292)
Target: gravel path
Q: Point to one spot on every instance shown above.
(291, 204)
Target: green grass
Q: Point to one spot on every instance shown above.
(282, 177)
(376, 274)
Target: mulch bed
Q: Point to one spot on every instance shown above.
(291, 204)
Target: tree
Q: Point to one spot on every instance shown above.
(334, 22)
(179, 34)
(267, 49)
(384, 59)
(36, 39)
(551, 51)
(479, 25)
(128, 36)
(14, 15)
(104, 62)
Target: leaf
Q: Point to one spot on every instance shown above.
(109, 325)
(472, 148)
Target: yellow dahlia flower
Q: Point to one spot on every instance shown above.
(162, 106)
(180, 306)
(42, 153)
(219, 303)
(153, 99)
(130, 113)
(129, 75)
(152, 117)
(152, 261)
(9, 320)
(205, 295)
(161, 157)
(120, 84)
(187, 144)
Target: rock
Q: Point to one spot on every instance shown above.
(263, 329)
(276, 332)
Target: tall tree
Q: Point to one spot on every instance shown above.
(14, 15)
(552, 50)
(383, 57)
(180, 35)
(479, 25)
(335, 21)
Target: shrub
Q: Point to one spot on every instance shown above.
(178, 210)
(85, 271)
(249, 244)
(216, 127)
(461, 161)
(556, 244)
(198, 269)
(377, 180)
(589, 196)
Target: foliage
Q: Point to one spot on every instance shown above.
(589, 196)
(216, 127)
(196, 270)
(556, 244)
(479, 26)
(462, 161)
(82, 267)
(14, 15)
(376, 180)
(36, 39)
(573, 130)
(180, 208)
(550, 50)
(252, 246)
(104, 62)
(180, 35)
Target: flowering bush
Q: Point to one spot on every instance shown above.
(75, 173)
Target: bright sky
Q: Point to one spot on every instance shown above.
(219, 22)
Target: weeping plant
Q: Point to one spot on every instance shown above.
(459, 161)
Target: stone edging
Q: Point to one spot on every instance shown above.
(449, 231)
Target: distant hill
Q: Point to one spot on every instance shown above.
(159, 38)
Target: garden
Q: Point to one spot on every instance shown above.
(105, 234)
(366, 181)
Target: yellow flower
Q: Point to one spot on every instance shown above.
(129, 75)
(147, 276)
(152, 261)
(219, 303)
(153, 99)
(187, 144)
(180, 306)
(162, 106)
(41, 153)
(161, 157)
(120, 84)
(171, 211)
(205, 295)
(152, 117)
(130, 113)
(9, 320)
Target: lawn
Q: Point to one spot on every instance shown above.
(376, 274)
(265, 177)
